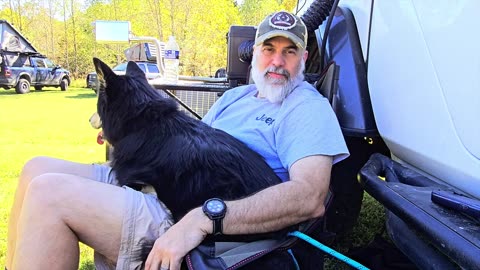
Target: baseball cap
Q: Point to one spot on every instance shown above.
(282, 24)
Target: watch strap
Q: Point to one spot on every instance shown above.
(217, 226)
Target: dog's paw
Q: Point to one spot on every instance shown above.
(95, 121)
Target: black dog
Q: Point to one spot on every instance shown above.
(185, 160)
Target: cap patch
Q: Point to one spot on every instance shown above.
(283, 20)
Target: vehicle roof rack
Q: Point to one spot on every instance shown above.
(36, 54)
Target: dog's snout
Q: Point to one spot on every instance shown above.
(95, 121)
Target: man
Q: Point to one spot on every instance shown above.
(283, 118)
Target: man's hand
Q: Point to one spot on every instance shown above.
(170, 248)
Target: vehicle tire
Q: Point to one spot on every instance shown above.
(23, 86)
(64, 84)
(38, 88)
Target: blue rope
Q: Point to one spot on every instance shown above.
(328, 250)
(297, 267)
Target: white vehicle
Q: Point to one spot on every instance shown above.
(152, 72)
(408, 76)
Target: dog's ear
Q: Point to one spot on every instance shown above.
(134, 70)
(103, 71)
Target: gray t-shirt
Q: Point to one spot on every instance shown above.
(303, 125)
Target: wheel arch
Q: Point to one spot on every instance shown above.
(68, 79)
(24, 75)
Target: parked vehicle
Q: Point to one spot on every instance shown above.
(22, 66)
(151, 70)
(32, 70)
(405, 75)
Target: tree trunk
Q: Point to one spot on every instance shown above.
(52, 34)
(65, 33)
(75, 58)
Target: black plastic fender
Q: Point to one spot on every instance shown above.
(351, 101)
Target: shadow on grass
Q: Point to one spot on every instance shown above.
(9, 92)
(83, 96)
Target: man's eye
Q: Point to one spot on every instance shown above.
(267, 50)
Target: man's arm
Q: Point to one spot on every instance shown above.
(271, 209)
(283, 205)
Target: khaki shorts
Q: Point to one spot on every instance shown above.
(146, 218)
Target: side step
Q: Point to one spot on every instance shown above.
(431, 235)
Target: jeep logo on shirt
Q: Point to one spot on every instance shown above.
(267, 120)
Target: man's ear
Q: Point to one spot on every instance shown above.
(305, 55)
(256, 48)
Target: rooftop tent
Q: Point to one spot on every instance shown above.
(11, 40)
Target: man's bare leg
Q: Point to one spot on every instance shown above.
(58, 211)
(32, 169)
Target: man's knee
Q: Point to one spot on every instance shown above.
(49, 189)
(32, 168)
(35, 166)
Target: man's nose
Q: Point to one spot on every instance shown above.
(278, 59)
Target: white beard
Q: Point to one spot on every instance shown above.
(276, 90)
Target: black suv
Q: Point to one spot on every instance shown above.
(22, 70)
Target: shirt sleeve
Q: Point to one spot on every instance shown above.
(211, 115)
(310, 128)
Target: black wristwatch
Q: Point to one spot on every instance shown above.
(215, 210)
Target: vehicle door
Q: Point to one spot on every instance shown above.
(41, 71)
(54, 73)
(152, 72)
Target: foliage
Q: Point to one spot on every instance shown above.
(64, 30)
(48, 122)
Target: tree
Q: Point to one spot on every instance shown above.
(203, 35)
(253, 11)
(155, 13)
(51, 16)
(72, 18)
(65, 31)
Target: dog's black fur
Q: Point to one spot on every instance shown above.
(185, 160)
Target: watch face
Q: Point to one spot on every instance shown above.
(215, 206)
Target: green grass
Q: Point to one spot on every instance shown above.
(370, 223)
(48, 122)
(55, 123)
